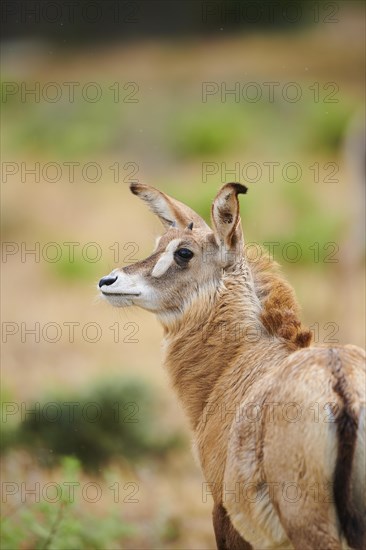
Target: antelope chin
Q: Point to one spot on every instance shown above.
(119, 299)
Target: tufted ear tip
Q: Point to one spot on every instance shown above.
(136, 188)
(239, 188)
(225, 216)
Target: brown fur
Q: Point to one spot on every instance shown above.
(280, 314)
(214, 379)
(234, 343)
(347, 425)
(227, 538)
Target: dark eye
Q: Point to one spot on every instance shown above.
(184, 254)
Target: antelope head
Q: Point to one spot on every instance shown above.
(190, 257)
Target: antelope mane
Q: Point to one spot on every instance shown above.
(280, 312)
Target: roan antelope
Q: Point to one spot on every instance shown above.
(279, 425)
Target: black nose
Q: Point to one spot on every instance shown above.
(107, 281)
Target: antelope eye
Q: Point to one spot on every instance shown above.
(184, 254)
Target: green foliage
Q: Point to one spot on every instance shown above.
(317, 235)
(64, 524)
(8, 424)
(117, 419)
(219, 127)
(75, 270)
(206, 131)
(69, 130)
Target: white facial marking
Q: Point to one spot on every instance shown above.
(157, 241)
(166, 259)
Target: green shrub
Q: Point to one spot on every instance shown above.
(117, 419)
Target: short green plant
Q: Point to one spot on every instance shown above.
(64, 524)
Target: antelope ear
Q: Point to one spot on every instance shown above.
(225, 216)
(170, 211)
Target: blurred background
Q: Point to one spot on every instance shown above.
(184, 96)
